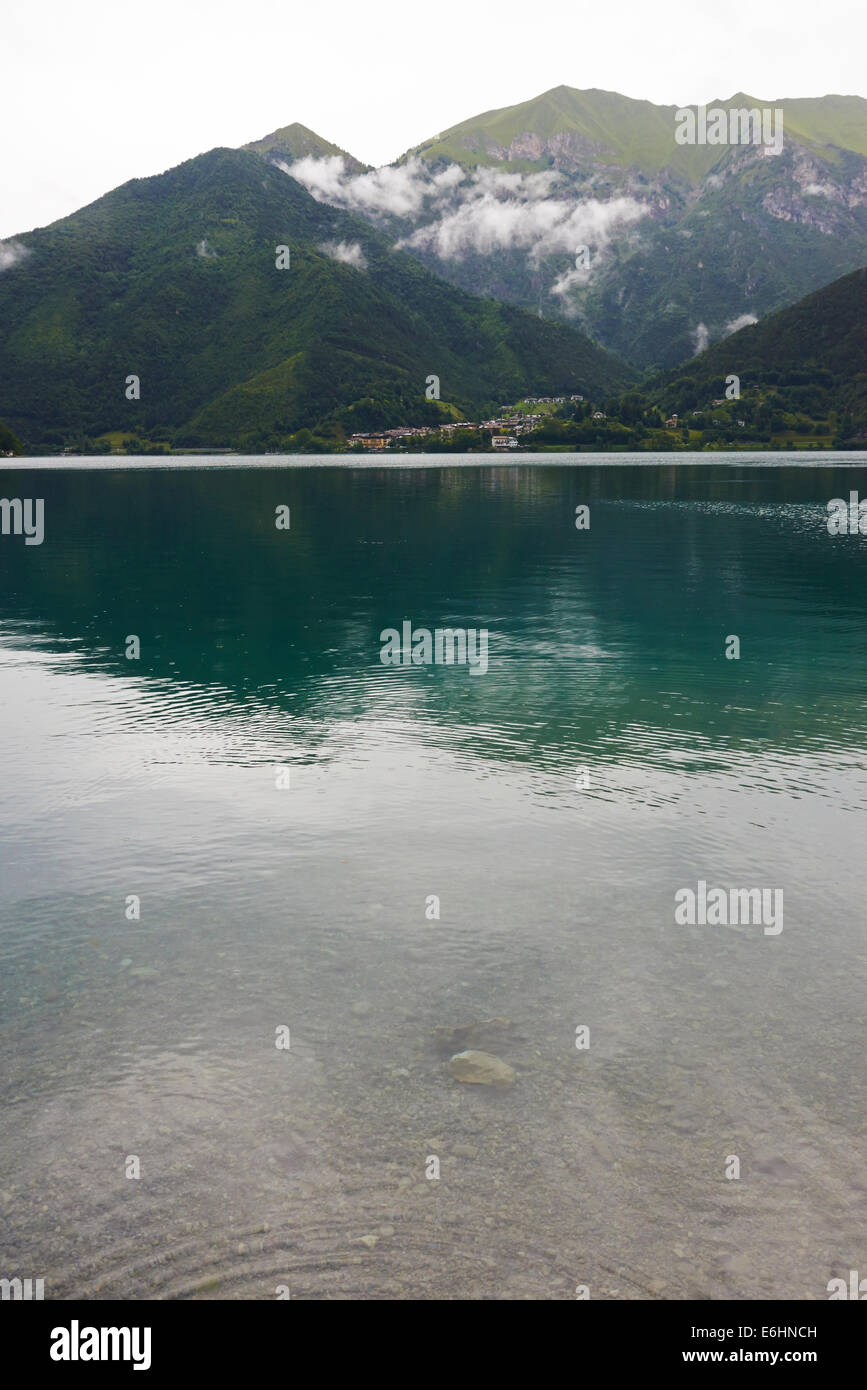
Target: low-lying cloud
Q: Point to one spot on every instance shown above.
(12, 253)
(395, 190)
(346, 252)
(482, 212)
(494, 216)
(742, 321)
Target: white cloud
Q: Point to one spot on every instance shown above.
(485, 211)
(11, 253)
(700, 338)
(500, 212)
(347, 252)
(742, 321)
(399, 190)
(567, 282)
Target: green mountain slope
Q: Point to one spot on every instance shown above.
(172, 279)
(811, 357)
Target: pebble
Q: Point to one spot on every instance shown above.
(481, 1069)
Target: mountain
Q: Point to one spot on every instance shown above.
(295, 141)
(173, 280)
(582, 205)
(810, 357)
(570, 130)
(594, 127)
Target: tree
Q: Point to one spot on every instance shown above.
(9, 442)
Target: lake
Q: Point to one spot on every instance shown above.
(258, 886)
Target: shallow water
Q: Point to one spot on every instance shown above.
(306, 906)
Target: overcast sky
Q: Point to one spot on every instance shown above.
(96, 92)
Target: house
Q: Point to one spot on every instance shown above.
(720, 402)
(671, 422)
(370, 441)
(599, 415)
(504, 441)
(576, 398)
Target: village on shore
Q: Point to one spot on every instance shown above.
(565, 423)
(505, 428)
(514, 423)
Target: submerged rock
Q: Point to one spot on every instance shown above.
(481, 1069)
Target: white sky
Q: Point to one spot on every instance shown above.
(95, 92)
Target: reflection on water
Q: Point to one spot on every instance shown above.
(306, 907)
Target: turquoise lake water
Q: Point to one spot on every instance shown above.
(285, 807)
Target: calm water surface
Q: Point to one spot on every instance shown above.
(305, 906)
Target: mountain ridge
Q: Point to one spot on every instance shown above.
(173, 280)
(681, 242)
(582, 111)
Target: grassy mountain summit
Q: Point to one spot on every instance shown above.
(295, 141)
(173, 280)
(567, 126)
